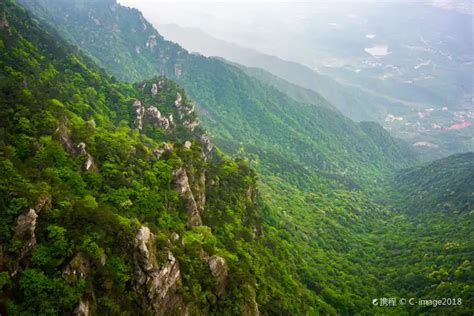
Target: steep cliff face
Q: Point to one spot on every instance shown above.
(156, 283)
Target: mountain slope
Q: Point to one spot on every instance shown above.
(428, 131)
(235, 108)
(445, 184)
(351, 101)
(321, 244)
(102, 199)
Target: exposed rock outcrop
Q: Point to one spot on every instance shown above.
(185, 111)
(219, 270)
(163, 149)
(178, 70)
(4, 25)
(200, 196)
(25, 230)
(62, 135)
(156, 284)
(207, 147)
(181, 182)
(88, 164)
(152, 115)
(154, 89)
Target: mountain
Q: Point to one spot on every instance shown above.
(235, 108)
(111, 199)
(426, 127)
(445, 184)
(351, 101)
(114, 201)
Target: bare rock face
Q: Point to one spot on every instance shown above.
(219, 271)
(183, 111)
(88, 164)
(201, 194)
(163, 149)
(154, 89)
(191, 124)
(178, 70)
(181, 182)
(207, 146)
(25, 230)
(156, 284)
(151, 115)
(62, 135)
(4, 25)
(139, 113)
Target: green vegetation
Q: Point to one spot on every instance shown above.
(318, 231)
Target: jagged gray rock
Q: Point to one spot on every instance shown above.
(157, 284)
(181, 182)
(219, 271)
(207, 146)
(88, 164)
(151, 114)
(25, 230)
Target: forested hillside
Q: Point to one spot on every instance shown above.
(236, 109)
(114, 199)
